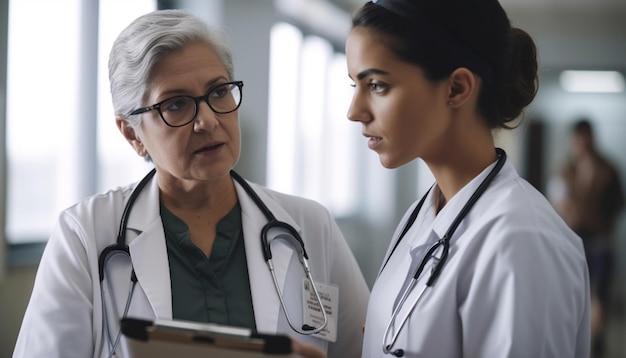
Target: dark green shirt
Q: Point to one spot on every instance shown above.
(214, 289)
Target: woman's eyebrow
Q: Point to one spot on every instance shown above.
(370, 71)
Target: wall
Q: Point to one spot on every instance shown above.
(14, 293)
(4, 20)
(369, 232)
(11, 309)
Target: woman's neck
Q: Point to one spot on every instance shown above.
(216, 196)
(460, 167)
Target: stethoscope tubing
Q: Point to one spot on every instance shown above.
(298, 245)
(120, 246)
(396, 311)
(444, 242)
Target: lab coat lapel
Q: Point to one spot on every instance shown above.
(149, 252)
(265, 299)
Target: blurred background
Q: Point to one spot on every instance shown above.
(59, 142)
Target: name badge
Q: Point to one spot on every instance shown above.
(329, 296)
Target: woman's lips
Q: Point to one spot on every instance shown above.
(373, 142)
(209, 148)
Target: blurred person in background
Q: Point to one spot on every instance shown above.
(588, 194)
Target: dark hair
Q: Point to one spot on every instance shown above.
(441, 35)
(583, 126)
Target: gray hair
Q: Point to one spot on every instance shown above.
(141, 45)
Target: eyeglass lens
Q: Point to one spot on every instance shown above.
(178, 111)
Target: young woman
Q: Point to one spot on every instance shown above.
(481, 266)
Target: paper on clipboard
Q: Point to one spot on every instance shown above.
(194, 340)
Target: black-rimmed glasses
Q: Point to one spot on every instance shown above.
(182, 110)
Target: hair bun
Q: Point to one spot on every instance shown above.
(521, 86)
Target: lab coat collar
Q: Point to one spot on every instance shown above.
(146, 241)
(148, 249)
(449, 212)
(265, 299)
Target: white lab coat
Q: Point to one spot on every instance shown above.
(515, 283)
(65, 318)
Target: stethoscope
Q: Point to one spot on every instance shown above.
(444, 244)
(290, 234)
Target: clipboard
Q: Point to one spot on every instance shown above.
(175, 338)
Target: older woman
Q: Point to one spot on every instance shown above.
(189, 236)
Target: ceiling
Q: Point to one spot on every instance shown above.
(578, 34)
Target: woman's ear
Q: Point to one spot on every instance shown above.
(463, 86)
(131, 135)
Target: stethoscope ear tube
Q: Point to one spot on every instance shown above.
(438, 268)
(121, 234)
(292, 236)
(267, 252)
(105, 254)
(272, 222)
(120, 244)
(306, 329)
(296, 242)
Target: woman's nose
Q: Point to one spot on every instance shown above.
(357, 112)
(206, 118)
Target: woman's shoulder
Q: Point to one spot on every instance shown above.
(99, 205)
(509, 194)
(517, 209)
(92, 222)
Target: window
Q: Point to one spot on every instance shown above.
(118, 162)
(311, 144)
(43, 125)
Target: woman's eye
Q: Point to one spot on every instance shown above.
(175, 104)
(377, 87)
(220, 91)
